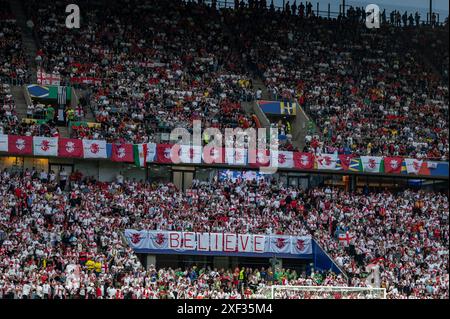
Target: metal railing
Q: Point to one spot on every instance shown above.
(317, 10)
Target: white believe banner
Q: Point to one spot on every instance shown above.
(218, 242)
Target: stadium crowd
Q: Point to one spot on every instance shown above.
(368, 92)
(177, 68)
(62, 236)
(12, 59)
(150, 67)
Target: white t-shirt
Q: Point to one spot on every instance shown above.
(26, 290)
(63, 175)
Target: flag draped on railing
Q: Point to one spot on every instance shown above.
(140, 154)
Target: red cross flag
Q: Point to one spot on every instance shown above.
(48, 78)
(345, 238)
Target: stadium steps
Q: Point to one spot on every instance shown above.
(300, 128)
(19, 100)
(29, 45)
(253, 108)
(63, 131)
(259, 84)
(247, 107)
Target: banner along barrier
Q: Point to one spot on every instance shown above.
(219, 244)
(162, 154)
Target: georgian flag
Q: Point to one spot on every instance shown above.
(45, 146)
(345, 238)
(372, 164)
(413, 166)
(22, 145)
(283, 158)
(3, 143)
(94, 149)
(327, 161)
(393, 165)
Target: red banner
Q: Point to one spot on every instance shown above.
(70, 147)
(303, 160)
(22, 145)
(393, 165)
(163, 153)
(122, 153)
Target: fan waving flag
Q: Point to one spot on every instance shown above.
(140, 154)
(372, 164)
(94, 149)
(327, 161)
(393, 165)
(22, 145)
(122, 153)
(303, 160)
(70, 147)
(45, 146)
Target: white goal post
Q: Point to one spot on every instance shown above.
(321, 292)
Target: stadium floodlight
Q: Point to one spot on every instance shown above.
(321, 292)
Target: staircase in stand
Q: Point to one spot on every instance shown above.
(29, 44)
(259, 84)
(19, 100)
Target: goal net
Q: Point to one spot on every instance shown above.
(321, 292)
